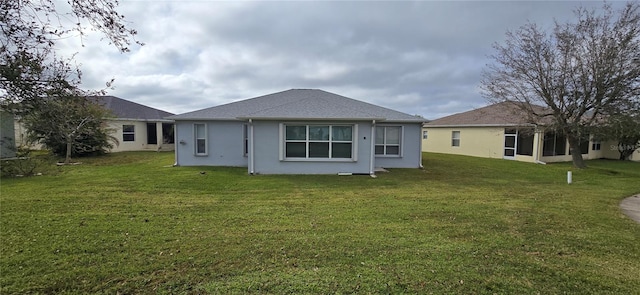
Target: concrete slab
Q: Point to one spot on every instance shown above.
(631, 207)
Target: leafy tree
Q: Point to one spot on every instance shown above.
(579, 71)
(70, 126)
(43, 88)
(622, 127)
(29, 30)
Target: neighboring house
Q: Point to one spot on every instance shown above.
(7, 135)
(299, 131)
(138, 127)
(502, 131)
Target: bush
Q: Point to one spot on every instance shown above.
(25, 164)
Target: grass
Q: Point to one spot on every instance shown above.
(128, 223)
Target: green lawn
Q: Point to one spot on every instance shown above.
(129, 223)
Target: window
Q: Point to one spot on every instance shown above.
(425, 134)
(595, 146)
(200, 132)
(167, 133)
(318, 141)
(584, 145)
(525, 142)
(128, 133)
(152, 133)
(245, 132)
(554, 144)
(455, 138)
(388, 140)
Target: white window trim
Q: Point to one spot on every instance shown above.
(282, 143)
(127, 132)
(400, 143)
(425, 134)
(458, 138)
(195, 141)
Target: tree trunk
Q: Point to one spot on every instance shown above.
(574, 149)
(67, 159)
(625, 149)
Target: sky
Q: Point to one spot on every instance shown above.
(419, 57)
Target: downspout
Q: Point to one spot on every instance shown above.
(251, 161)
(421, 140)
(373, 149)
(175, 143)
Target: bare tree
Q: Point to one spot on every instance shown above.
(578, 72)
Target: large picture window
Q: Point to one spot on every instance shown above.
(200, 135)
(584, 145)
(554, 144)
(388, 140)
(318, 141)
(525, 142)
(128, 132)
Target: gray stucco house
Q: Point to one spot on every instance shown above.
(299, 131)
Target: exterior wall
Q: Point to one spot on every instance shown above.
(140, 137)
(267, 152)
(7, 135)
(21, 137)
(486, 142)
(411, 153)
(225, 147)
(225, 144)
(609, 150)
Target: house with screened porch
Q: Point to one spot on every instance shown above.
(502, 131)
(299, 131)
(137, 127)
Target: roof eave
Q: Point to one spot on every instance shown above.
(307, 119)
(479, 125)
(141, 120)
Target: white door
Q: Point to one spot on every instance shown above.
(510, 143)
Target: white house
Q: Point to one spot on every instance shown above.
(138, 127)
(299, 131)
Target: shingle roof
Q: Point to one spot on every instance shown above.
(499, 114)
(308, 104)
(125, 109)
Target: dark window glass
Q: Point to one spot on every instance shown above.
(296, 150)
(128, 133)
(318, 149)
(201, 146)
(393, 150)
(341, 150)
(525, 143)
(561, 145)
(296, 132)
(510, 141)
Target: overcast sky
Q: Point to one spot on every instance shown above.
(419, 57)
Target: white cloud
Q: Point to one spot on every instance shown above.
(419, 57)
